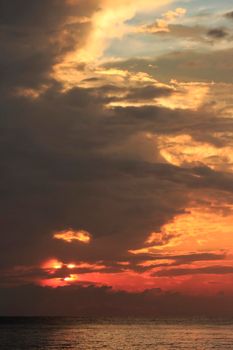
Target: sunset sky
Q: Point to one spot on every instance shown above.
(116, 156)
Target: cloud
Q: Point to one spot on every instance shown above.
(188, 258)
(229, 15)
(190, 35)
(181, 31)
(107, 24)
(189, 65)
(132, 274)
(35, 35)
(214, 270)
(147, 93)
(182, 150)
(217, 33)
(64, 174)
(60, 184)
(71, 236)
(197, 228)
(162, 25)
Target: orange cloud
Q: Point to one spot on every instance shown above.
(70, 236)
(198, 229)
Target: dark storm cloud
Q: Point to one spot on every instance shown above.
(56, 177)
(102, 301)
(69, 163)
(35, 35)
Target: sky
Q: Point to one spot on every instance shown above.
(116, 157)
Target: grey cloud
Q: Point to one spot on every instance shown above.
(186, 65)
(147, 93)
(217, 33)
(193, 33)
(197, 33)
(229, 15)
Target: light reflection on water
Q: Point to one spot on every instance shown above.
(79, 334)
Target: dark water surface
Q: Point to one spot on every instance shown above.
(114, 334)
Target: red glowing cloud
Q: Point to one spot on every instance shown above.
(52, 264)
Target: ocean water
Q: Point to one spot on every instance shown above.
(115, 334)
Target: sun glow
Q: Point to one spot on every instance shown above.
(71, 278)
(71, 266)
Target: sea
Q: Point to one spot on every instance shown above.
(57, 333)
